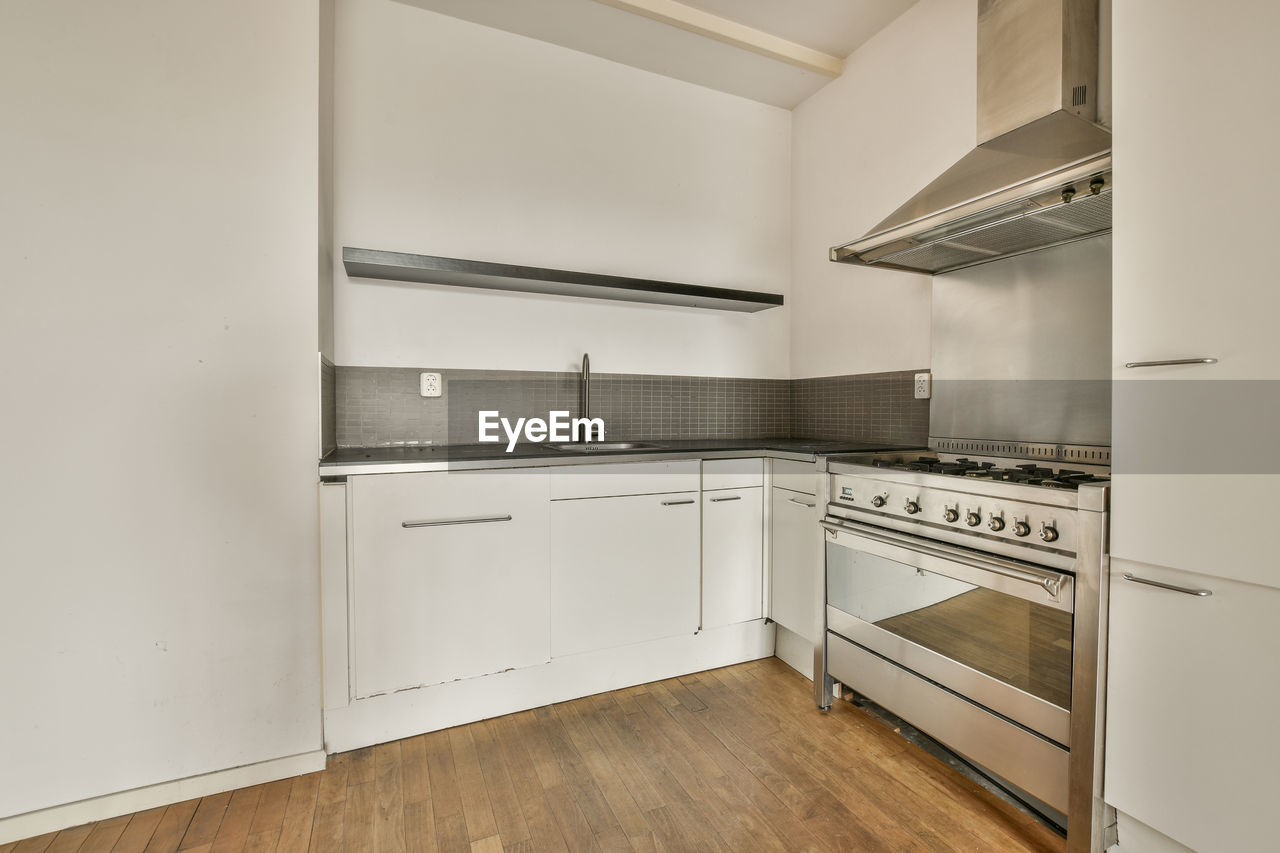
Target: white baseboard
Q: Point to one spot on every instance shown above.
(54, 818)
(391, 716)
(795, 651)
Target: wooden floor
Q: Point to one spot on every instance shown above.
(731, 759)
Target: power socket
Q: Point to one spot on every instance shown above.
(431, 386)
(924, 386)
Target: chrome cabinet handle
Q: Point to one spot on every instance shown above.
(445, 522)
(1051, 582)
(731, 498)
(799, 502)
(1169, 361)
(677, 503)
(1185, 590)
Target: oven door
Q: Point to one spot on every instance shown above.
(993, 630)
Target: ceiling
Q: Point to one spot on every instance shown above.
(835, 27)
(770, 51)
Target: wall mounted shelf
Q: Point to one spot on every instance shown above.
(429, 269)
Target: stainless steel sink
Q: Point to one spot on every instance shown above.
(600, 446)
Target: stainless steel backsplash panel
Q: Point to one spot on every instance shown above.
(1022, 348)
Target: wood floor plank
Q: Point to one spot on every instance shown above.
(328, 828)
(692, 768)
(628, 815)
(492, 844)
(628, 765)
(476, 807)
(534, 808)
(544, 760)
(234, 830)
(360, 814)
(262, 842)
(69, 840)
(271, 807)
(502, 796)
(173, 825)
(573, 824)
(730, 759)
(139, 830)
(105, 835)
(415, 780)
(388, 825)
(208, 817)
(578, 779)
(446, 801)
(360, 767)
(419, 826)
(37, 844)
(451, 834)
(299, 815)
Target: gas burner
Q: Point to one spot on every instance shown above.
(1023, 473)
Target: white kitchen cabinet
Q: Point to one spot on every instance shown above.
(624, 569)
(1193, 684)
(449, 576)
(732, 556)
(796, 563)
(1180, 433)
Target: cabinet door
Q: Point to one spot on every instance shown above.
(623, 570)
(1193, 684)
(435, 599)
(732, 556)
(797, 563)
(1179, 432)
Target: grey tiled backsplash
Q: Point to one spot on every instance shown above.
(865, 406)
(380, 406)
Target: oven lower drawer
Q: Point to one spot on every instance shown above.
(1032, 763)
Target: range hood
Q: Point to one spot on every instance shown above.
(1041, 174)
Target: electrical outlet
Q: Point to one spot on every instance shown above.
(924, 386)
(431, 386)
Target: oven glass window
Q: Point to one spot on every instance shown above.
(1021, 643)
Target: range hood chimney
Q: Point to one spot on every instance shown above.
(1041, 174)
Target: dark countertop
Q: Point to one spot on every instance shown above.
(432, 457)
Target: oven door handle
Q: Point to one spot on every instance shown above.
(1050, 582)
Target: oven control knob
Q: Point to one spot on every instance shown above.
(951, 515)
(1021, 528)
(996, 523)
(973, 519)
(879, 501)
(911, 507)
(1048, 532)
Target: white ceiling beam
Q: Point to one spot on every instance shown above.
(731, 32)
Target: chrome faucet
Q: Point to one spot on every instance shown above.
(586, 385)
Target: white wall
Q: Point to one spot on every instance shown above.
(903, 112)
(158, 544)
(458, 140)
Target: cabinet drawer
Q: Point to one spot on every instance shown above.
(449, 576)
(624, 478)
(732, 473)
(1192, 687)
(796, 476)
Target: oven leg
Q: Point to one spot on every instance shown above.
(822, 681)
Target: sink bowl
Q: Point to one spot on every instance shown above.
(599, 446)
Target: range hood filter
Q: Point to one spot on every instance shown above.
(1013, 235)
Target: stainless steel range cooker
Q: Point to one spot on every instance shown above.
(967, 595)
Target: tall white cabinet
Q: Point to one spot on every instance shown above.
(1193, 674)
